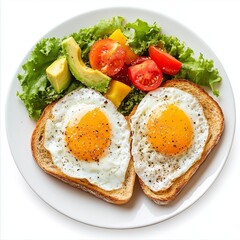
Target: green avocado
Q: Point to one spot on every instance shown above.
(59, 75)
(88, 76)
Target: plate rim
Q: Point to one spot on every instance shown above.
(121, 9)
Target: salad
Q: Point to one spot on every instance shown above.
(135, 57)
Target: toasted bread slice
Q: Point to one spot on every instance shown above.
(215, 118)
(44, 160)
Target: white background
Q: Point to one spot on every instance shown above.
(25, 216)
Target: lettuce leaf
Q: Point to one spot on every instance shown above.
(141, 35)
(37, 91)
(198, 70)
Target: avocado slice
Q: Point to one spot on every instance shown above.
(59, 75)
(88, 76)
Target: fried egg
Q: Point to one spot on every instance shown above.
(169, 133)
(89, 139)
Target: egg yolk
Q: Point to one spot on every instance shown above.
(88, 138)
(170, 132)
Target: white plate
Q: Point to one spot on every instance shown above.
(140, 211)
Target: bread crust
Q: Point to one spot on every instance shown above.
(44, 160)
(215, 118)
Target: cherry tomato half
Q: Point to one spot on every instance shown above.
(146, 76)
(140, 60)
(122, 75)
(107, 56)
(167, 63)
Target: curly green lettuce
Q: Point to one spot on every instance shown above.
(37, 91)
(141, 35)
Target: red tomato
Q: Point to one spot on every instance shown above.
(167, 63)
(146, 76)
(139, 60)
(107, 56)
(122, 75)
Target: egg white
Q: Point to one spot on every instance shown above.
(109, 172)
(156, 170)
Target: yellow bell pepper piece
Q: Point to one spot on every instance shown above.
(117, 91)
(118, 36)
